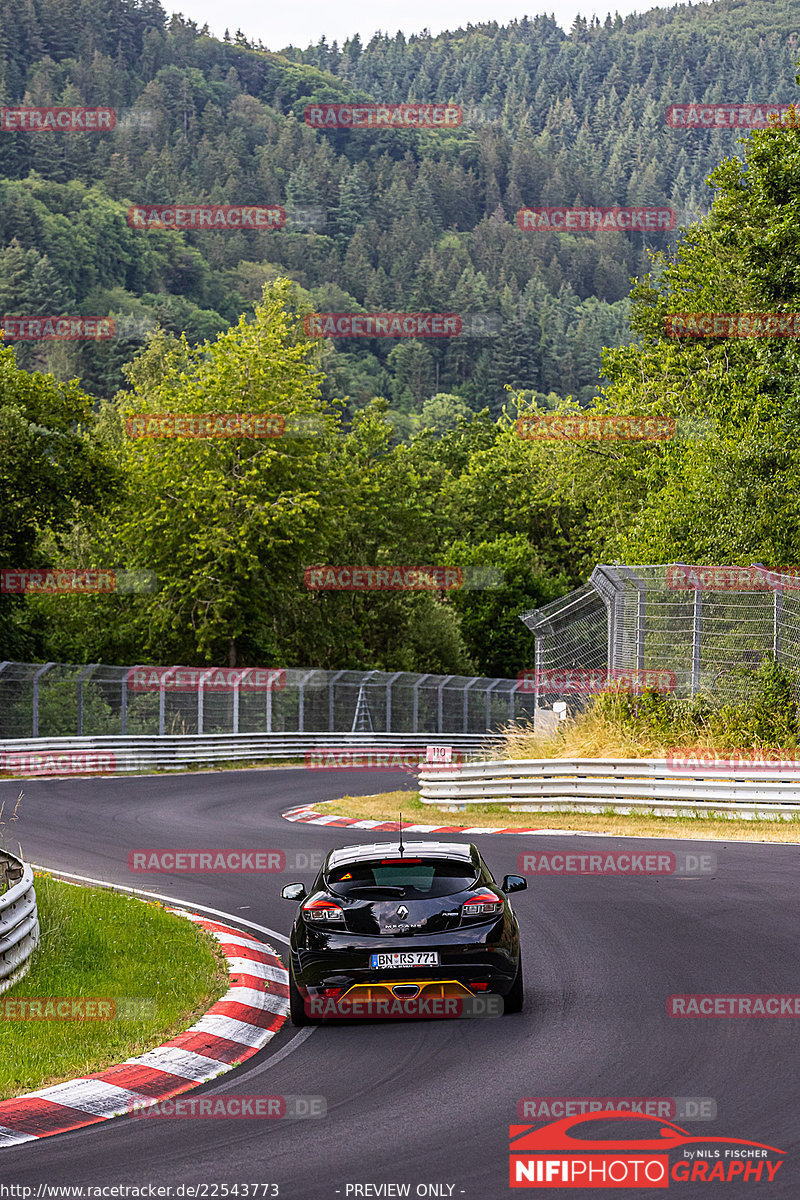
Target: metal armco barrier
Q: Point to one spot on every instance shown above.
(19, 922)
(620, 784)
(125, 755)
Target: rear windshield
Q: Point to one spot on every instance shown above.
(412, 879)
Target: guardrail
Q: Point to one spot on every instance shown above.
(620, 784)
(126, 755)
(19, 921)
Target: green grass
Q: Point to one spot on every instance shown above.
(99, 943)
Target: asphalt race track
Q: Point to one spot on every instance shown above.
(430, 1102)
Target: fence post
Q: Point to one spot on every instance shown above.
(417, 685)
(236, 689)
(301, 700)
(471, 683)
(201, 699)
(331, 684)
(83, 675)
(389, 683)
(161, 698)
(537, 673)
(489, 691)
(641, 626)
(777, 620)
(610, 654)
(3, 666)
(511, 699)
(440, 705)
(124, 701)
(36, 677)
(697, 619)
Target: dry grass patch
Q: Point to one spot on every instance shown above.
(387, 805)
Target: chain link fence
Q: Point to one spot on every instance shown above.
(70, 700)
(676, 627)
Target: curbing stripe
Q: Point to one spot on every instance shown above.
(8, 1137)
(212, 1046)
(226, 939)
(240, 951)
(249, 966)
(159, 1085)
(96, 1097)
(236, 1027)
(229, 1028)
(242, 981)
(309, 816)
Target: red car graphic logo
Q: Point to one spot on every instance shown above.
(620, 1149)
(656, 1135)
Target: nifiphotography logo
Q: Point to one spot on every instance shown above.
(627, 1150)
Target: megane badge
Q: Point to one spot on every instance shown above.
(402, 912)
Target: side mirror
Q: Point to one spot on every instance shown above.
(293, 891)
(514, 883)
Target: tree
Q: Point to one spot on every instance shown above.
(226, 524)
(53, 473)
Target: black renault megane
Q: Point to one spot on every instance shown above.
(394, 920)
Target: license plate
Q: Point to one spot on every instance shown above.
(409, 958)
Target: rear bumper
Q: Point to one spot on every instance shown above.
(462, 966)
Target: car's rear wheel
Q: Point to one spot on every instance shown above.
(516, 996)
(297, 1011)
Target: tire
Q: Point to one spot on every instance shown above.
(516, 996)
(297, 1011)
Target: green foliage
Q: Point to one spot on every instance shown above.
(416, 459)
(162, 972)
(765, 716)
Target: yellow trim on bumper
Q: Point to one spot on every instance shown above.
(438, 988)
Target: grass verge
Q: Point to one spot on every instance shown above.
(386, 805)
(161, 970)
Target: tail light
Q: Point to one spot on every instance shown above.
(484, 904)
(322, 910)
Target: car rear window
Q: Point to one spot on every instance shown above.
(413, 878)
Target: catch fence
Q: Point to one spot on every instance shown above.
(46, 700)
(676, 627)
